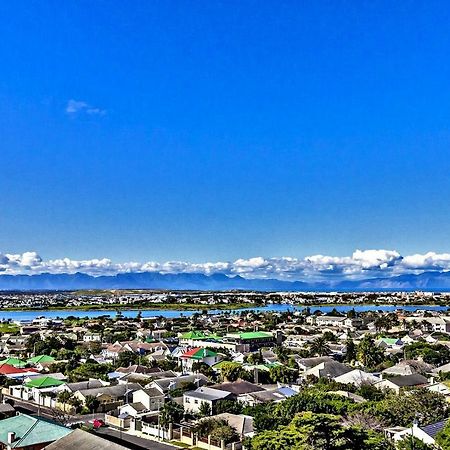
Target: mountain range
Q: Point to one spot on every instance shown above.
(427, 281)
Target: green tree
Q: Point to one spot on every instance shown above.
(228, 406)
(309, 431)
(205, 409)
(443, 437)
(127, 358)
(283, 374)
(171, 412)
(368, 354)
(351, 352)
(319, 347)
(91, 403)
(231, 371)
(412, 443)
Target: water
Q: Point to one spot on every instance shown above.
(27, 315)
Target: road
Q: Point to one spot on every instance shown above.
(49, 413)
(130, 441)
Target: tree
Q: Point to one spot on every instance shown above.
(368, 354)
(443, 437)
(205, 409)
(231, 371)
(127, 358)
(309, 431)
(64, 397)
(225, 433)
(283, 374)
(319, 347)
(351, 353)
(412, 443)
(401, 409)
(228, 406)
(90, 369)
(171, 412)
(91, 403)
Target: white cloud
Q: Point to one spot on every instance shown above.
(77, 106)
(361, 264)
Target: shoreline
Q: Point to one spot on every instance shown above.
(220, 306)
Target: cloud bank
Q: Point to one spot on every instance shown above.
(361, 264)
(77, 106)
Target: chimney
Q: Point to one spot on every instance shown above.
(11, 437)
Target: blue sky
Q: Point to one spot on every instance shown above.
(213, 131)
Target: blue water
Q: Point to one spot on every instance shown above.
(27, 315)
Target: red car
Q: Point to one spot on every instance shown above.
(98, 423)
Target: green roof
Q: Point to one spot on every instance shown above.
(44, 382)
(193, 335)
(390, 341)
(14, 362)
(255, 335)
(30, 431)
(219, 365)
(203, 353)
(41, 359)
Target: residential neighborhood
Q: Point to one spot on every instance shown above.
(228, 380)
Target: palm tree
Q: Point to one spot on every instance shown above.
(319, 347)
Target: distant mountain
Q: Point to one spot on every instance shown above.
(145, 280)
(431, 281)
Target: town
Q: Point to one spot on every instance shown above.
(155, 299)
(252, 379)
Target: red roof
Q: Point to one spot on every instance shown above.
(191, 352)
(7, 369)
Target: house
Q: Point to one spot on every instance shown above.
(92, 337)
(357, 377)
(24, 432)
(426, 434)
(240, 389)
(198, 355)
(274, 395)
(82, 440)
(327, 321)
(109, 397)
(6, 410)
(193, 400)
(328, 369)
(408, 367)
(307, 363)
(165, 385)
(399, 382)
(152, 399)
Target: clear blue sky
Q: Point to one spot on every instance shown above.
(213, 130)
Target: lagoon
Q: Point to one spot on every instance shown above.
(28, 315)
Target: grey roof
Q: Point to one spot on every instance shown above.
(138, 406)
(329, 369)
(176, 382)
(272, 395)
(209, 394)
(82, 440)
(119, 390)
(6, 407)
(238, 387)
(433, 429)
(414, 379)
(91, 384)
(312, 362)
(152, 392)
